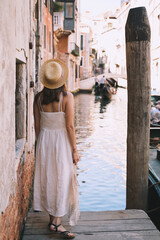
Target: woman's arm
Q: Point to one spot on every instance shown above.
(36, 118)
(70, 126)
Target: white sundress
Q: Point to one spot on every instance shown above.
(55, 180)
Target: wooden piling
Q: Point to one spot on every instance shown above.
(138, 76)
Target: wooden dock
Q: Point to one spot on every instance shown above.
(112, 225)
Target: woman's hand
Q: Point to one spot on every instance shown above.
(75, 157)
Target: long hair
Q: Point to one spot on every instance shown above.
(51, 95)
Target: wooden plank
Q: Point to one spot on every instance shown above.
(108, 226)
(141, 235)
(96, 223)
(113, 225)
(103, 215)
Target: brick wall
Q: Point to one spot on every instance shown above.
(63, 45)
(11, 221)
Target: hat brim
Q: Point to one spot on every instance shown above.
(59, 82)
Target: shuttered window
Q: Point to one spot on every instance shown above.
(45, 37)
(81, 42)
(69, 10)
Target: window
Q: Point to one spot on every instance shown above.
(81, 42)
(45, 2)
(69, 21)
(45, 40)
(50, 41)
(81, 63)
(55, 19)
(50, 6)
(69, 10)
(76, 72)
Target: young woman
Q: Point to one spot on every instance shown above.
(55, 184)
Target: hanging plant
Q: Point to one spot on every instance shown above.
(57, 7)
(75, 53)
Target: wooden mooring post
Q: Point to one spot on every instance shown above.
(138, 76)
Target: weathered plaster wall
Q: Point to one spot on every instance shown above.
(7, 102)
(16, 157)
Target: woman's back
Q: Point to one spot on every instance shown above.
(52, 114)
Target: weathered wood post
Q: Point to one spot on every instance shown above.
(138, 76)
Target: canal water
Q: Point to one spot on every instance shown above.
(101, 130)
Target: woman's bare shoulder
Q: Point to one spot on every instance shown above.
(69, 96)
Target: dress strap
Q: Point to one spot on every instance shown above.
(39, 104)
(60, 102)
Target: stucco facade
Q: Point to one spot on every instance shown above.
(17, 63)
(154, 18)
(66, 45)
(47, 30)
(86, 64)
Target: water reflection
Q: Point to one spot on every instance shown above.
(101, 138)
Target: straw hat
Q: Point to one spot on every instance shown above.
(53, 73)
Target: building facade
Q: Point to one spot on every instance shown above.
(153, 10)
(154, 18)
(67, 40)
(25, 44)
(121, 16)
(47, 30)
(18, 46)
(86, 51)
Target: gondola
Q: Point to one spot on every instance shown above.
(154, 198)
(106, 92)
(109, 89)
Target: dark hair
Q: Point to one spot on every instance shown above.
(51, 95)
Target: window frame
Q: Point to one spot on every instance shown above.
(55, 19)
(50, 41)
(82, 42)
(45, 2)
(50, 6)
(82, 61)
(72, 7)
(45, 36)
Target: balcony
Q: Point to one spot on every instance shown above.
(68, 13)
(58, 25)
(75, 51)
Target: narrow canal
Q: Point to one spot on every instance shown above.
(101, 130)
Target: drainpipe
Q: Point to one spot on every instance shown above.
(53, 26)
(37, 42)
